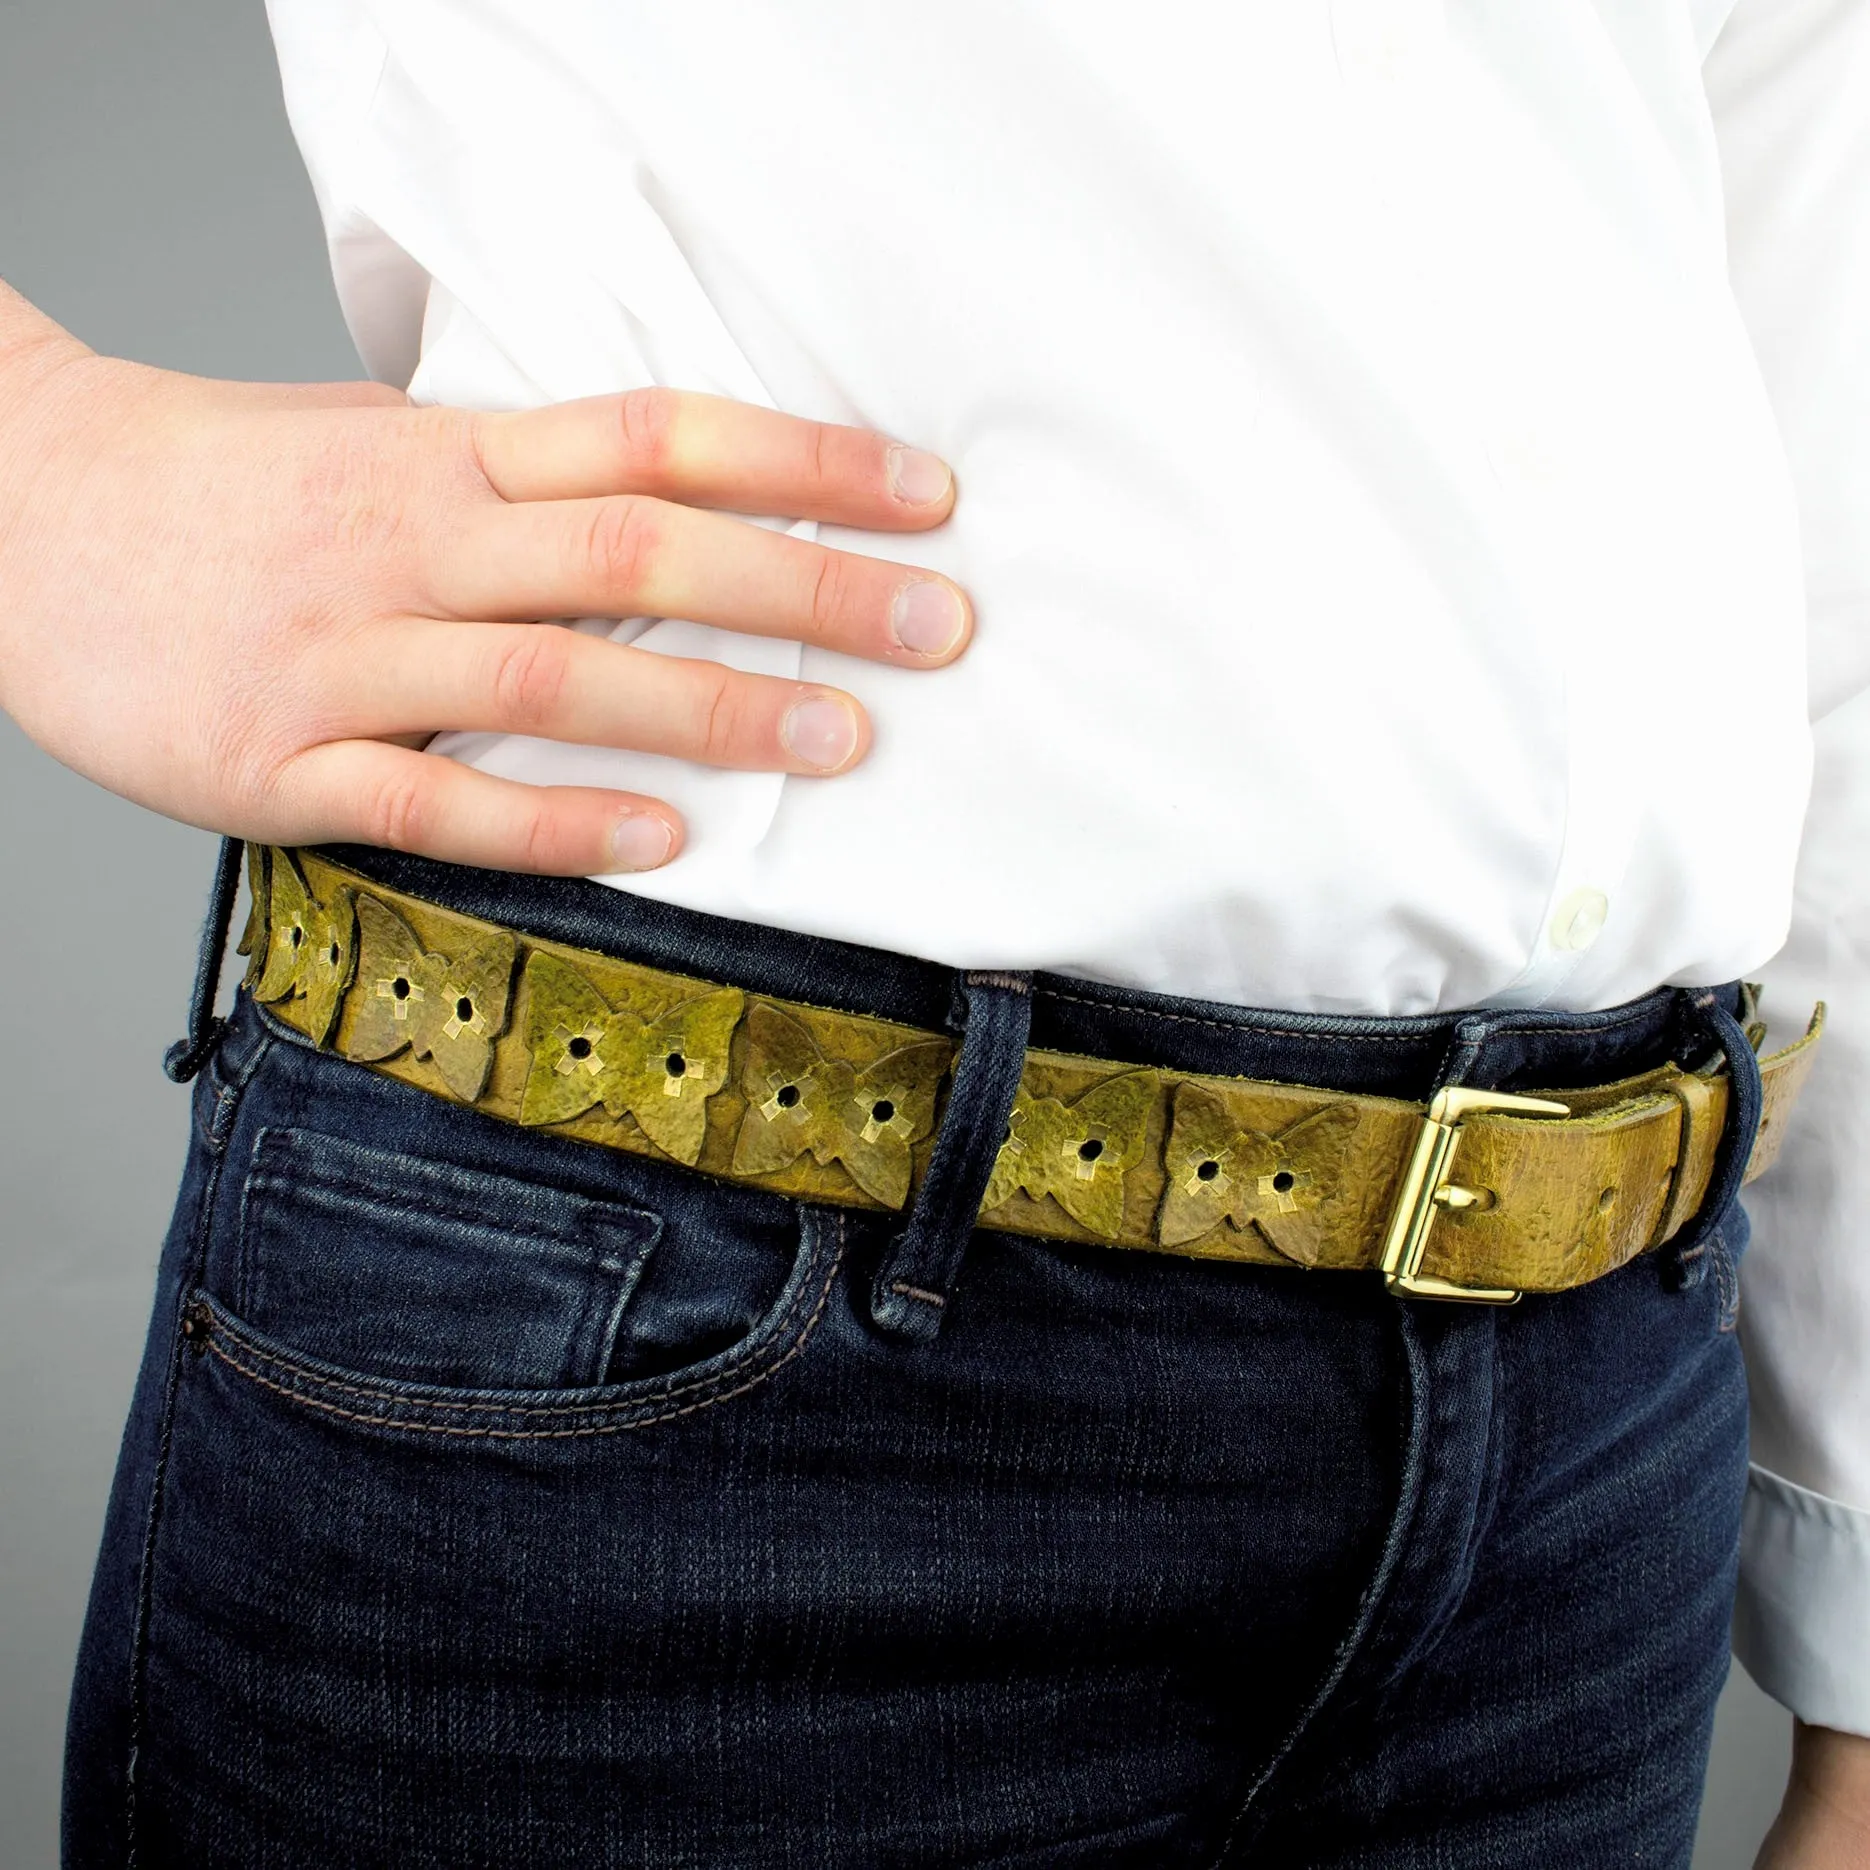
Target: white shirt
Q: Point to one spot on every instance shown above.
(1414, 464)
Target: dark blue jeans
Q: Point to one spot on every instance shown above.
(489, 1499)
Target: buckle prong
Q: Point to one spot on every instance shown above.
(1427, 1188)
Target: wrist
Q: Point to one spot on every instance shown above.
(29, 340)
(1833, 1768)
(35, 352)
(33, 348)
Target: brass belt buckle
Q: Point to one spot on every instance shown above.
(1426, 1188)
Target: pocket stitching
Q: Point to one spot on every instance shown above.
(388, 1393)
(269, 1182)
(269, 1177)
(394, 1412)
(275, 1182)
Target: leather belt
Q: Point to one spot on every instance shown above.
(1478, 1195)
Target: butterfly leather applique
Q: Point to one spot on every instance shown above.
(586, 1052)
(1079, 1152)
(448, 1008)
(1219, 1172)
(252, 941)
(799, 1100)
(308, 952)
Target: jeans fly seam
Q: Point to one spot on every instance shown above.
(1493, 1478)
(760, 1374)
(1376, 1595)
(1457, 1575)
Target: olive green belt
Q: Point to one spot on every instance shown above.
(1476, 1195)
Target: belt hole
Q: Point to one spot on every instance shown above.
(1208, 1170)
(1283, 1182)
(675, 1065)
(1091, 1148)
(883, 1110)
(579, 1046)
(786, 1096)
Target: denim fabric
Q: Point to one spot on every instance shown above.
(489, 1499)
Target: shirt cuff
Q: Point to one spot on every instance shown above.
(1802, 1619)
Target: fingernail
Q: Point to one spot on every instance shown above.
(821, 732)
(641, 841)
(928, 617)
(918, 478)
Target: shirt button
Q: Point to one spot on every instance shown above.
(1579, 919)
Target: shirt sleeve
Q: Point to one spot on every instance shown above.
(1789, 85)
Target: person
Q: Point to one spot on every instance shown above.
(926, 1316)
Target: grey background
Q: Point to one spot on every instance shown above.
(151, 200)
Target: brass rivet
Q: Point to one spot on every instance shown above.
(1453, 1195)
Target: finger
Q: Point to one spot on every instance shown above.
(362, 791)
(633, 556)
(554, 684)
(710, 451)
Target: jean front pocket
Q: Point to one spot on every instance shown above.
(425, 1271)
(408, 1266)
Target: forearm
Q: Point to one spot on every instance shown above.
(1825, 1822)
(1835, 1767)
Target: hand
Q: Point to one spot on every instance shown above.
(1824, 1823)
(248, 606)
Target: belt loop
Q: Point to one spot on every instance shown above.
(1469, 1040)
(1745, 1101)
(187, 1056)
(921, 1263)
